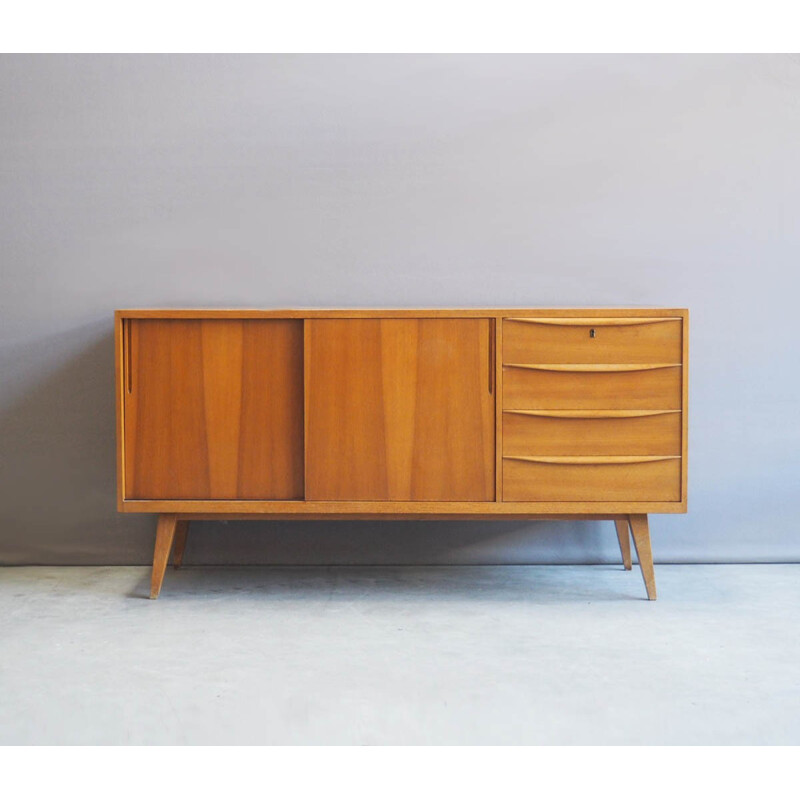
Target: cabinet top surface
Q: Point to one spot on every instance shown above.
(311, 313)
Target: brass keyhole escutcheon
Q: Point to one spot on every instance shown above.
(591, 333)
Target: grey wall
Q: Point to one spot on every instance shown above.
(281, 181)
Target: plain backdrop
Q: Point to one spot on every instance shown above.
(398, 181)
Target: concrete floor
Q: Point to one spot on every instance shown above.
(400, 655)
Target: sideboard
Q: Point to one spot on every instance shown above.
(402, 414)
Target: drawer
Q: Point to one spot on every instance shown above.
(608, 433)
(623, 340)
(564, 479)
(606, 387)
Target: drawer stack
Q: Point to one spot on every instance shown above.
(592, 408)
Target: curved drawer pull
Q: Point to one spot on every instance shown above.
(595, 322)
(590, 459)
(591, 367)
(590, 414)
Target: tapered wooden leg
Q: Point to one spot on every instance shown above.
(165, 533)
(624, 541)
(640, 531)
(181, 529)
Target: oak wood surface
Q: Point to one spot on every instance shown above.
(586, 392)
(591, 459)
(598, 367)
(610, 433)
(649, 389)
(595, 408)
(399, 409)
(213, 410)
(388, 509)
(626, 482)
(590, 413)
(391, 313)
(296, 508)
(685, 407)
(497, 330)
(624, 538)
(179, 545)
(165, 533)
(594, 321)
(640, 532)
(248, 516)
(565, 341)
(120, 325)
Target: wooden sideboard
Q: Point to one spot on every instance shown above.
(402, 414)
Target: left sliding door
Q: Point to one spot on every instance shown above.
(213, 409)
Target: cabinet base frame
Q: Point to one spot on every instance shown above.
(172, 532)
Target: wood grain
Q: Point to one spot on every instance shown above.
(591, 459)
(650, 389)
(120, 376)
(596, 321)
(165, 533)
(628, 482)
(179, 545)
(215, 410)
(399, 409)
(642, 433)
(498, 394)
(414, 509)
(596, 515)
(640, 532)
(591, 341)
(590, 413)
(624, 538)
(211, 402)
(395, 313)
(685, 407)
(356, 509)
(592, 367)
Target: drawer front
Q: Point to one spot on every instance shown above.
(559, 389)
(564, 433)
(592, 341)
(626, 481)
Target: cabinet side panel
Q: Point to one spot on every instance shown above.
(685, 408)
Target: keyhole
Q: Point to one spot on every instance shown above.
(591, 333)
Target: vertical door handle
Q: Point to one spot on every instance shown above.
(492, 358)
(128, 358)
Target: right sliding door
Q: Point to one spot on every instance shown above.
(400, 409)
(592, 409)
